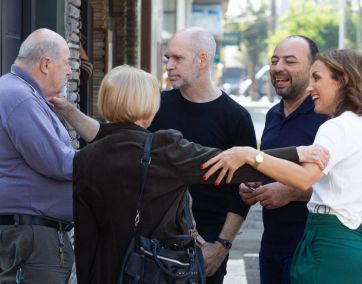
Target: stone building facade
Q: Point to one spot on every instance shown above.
(112, 32)
(72, 36)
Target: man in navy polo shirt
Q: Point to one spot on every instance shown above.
(292, 122)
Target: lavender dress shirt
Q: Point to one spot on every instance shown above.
(36, 155)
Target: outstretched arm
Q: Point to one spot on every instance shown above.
(86, 126)
(299, 176)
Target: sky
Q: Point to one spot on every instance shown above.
(234, 8)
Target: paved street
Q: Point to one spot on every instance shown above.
(243, 266)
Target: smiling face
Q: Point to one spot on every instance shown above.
(289, 68)
(323, 89)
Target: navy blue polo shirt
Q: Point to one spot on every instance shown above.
(283, 227)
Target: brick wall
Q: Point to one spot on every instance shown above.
(124, 15)
(72, 36)
(99, 48)
(131, 27)
(118, 13)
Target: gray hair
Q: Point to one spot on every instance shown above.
(31, 52)
(202, 41)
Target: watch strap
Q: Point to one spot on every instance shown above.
(226, 243)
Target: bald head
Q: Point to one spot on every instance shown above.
(45, 56)
(312, 48)
(40, 43)
(200, 40)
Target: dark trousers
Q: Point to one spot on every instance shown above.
(275, 267)
(31, 253)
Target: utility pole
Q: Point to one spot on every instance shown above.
(273, 16)
(359, 26)
(273, 24)
(342, 23)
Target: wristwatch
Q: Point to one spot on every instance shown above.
(225, 243)
(259, 157)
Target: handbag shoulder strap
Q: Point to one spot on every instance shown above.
(187, 212)
(145, 162)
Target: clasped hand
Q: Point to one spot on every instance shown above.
(230, 160)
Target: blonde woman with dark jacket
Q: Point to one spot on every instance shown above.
(107, 174)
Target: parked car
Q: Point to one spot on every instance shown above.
(261, 78)
(232, 78)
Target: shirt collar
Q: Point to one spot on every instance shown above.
(23, 74)
(306, 106)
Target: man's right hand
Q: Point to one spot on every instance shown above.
(273, 195)
(214, 254)
(247, 192)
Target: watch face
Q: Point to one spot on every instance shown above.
(259, 158)
(227, 244)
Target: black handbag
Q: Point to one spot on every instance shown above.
(173, 260)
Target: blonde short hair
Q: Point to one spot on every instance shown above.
(128, 94)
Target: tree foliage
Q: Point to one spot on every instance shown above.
(319, 22)
(252, 25)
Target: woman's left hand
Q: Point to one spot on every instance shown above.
(228, 161)
(314, 154)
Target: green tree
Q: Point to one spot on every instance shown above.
(253, 27)
(253, 37)
(319, 22)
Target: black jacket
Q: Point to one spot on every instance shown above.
(106, 186)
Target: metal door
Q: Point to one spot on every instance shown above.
(10, 32)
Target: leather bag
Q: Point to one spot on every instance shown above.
(173, 260)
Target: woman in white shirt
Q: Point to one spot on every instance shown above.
(331, 248)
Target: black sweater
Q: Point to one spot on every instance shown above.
(221, 123)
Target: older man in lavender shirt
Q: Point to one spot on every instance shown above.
(36, 163)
